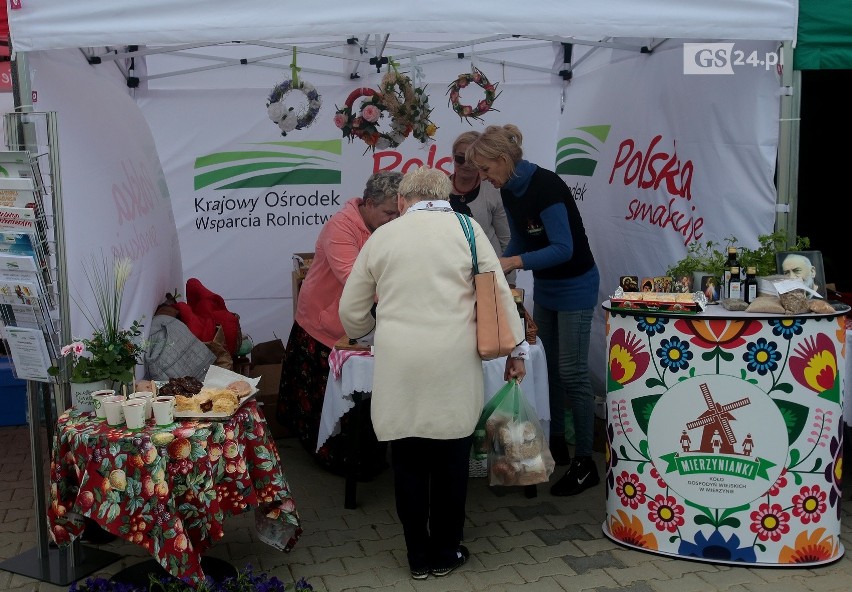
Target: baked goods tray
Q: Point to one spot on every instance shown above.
(641, 302)
(220, 378)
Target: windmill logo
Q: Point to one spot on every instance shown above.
(717, 440)
(577, 154)
(270, 164)
(717, 435)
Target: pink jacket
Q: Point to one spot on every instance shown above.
(337, 247)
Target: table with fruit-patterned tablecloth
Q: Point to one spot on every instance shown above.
(169, 489)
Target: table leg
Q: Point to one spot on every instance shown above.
(353, 445)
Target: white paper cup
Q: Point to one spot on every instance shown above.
(134, 413)
(113, 410)
(148, 397)
(98, 402)
(164, 410)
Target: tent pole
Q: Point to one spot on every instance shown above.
(787, 176)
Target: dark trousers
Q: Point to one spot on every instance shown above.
(430, 484)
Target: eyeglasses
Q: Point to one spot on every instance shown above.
(459, 158)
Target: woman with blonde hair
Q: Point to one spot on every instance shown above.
(427, 380)
(481, 201)
(549, 239)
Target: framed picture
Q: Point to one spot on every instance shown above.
(647, 284)
(710, 287)
(629, 283)
(683, 284)
(804, 265)
(663, 283)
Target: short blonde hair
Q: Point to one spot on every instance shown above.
(425, 183)
(497, 143)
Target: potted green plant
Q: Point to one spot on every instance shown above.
(709, 257)
(110, 356)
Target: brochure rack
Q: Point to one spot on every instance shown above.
(33, 303)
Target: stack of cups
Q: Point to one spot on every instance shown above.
(148, 397)
(98, 399)
(134, 413)
(113, 410)
(164, 410)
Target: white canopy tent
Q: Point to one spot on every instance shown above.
(54, 24)
(159, 44)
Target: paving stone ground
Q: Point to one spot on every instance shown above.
(548, 542)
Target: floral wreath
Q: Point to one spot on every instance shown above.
(485, 105)
(411, 115)
(362, 124)
(287, 118)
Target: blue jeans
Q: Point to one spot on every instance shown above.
(565, 337)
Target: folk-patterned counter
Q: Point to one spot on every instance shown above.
(725, 435)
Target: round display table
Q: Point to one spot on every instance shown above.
(724, 435)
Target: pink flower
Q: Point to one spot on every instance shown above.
(462, 82)
(340, 120)
(483, 106)
(371, 113)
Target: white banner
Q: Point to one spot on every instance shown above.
(116, 202)
(658, 158)
(246, 198)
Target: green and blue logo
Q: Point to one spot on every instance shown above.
(576, 155)
(315, 162)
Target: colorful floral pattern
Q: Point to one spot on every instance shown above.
(627, 359)
(169, 490)
(795, 362)
(815, 366)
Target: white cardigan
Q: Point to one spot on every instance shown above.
(427, 380)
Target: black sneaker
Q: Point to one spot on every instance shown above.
(559, 451)
(420, 574)
(462, 556)
(581, 475)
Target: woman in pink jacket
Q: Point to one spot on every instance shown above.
(317, 326)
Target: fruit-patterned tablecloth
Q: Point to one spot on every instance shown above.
(169, 489)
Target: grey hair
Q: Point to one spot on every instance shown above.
(425, 183)
(496, 143)
(382, 186)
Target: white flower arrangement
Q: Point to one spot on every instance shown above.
(287, 118)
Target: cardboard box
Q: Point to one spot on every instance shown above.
(267, 359)
(267, 407)
(270, 378)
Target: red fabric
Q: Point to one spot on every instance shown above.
(203, 310)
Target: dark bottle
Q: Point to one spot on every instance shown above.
(731, 262)
(734, 288)
(750, 285)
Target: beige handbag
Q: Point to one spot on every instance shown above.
(494, 337)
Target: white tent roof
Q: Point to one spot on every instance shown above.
(55, 24)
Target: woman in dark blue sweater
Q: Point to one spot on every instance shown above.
(549, 239)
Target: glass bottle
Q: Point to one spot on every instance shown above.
(731, 262)
(734, 287)
(750, 285)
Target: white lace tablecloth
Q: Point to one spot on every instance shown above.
(357, 376)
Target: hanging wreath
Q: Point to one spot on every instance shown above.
(408, 106)
(362, 123)
(483, 106)
(287, 118)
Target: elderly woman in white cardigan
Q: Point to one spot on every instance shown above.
(427, 382)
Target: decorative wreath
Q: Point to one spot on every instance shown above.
(408, 106)
(363, 122)
(287, 118)
(483, 106)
